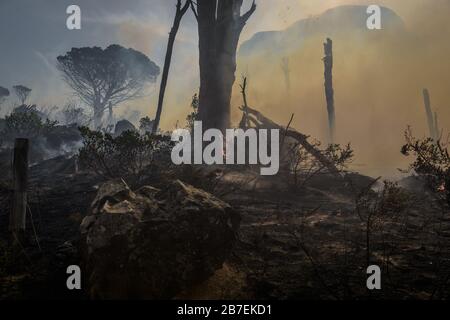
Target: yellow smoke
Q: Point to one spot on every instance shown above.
(378, 83)
(378, 86)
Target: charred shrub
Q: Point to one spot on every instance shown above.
(146, 124)
(431, 162)
(303, 166)
(125, 156)
(26, 124)
(381, 212)
(72, 114)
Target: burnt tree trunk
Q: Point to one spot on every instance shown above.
(437, 132)
(431, 121)
(111, 114)
(180, 11)
(17, 219)
(329, 91)
(287, 73)
(99, 110)
(220, 24)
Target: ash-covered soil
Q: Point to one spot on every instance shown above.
(304, 244)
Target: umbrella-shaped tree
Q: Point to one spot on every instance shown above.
(22, 93)
(104, 78)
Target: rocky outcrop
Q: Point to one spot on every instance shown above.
(151, 243)
(122, 126)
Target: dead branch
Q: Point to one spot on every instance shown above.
(301, 138)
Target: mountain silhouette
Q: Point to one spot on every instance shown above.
(347, 21)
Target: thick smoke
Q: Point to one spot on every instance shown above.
(378, 82)
(378, 79)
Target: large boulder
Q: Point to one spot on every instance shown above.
(151, 243)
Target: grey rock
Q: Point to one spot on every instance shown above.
(151, 243)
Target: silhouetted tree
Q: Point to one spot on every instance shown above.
(220, 24)
(4, 93)
(22, 93)
(104, 78)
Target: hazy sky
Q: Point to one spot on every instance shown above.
(33, 33)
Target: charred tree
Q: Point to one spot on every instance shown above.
(220, 24)
(329, 91)
(286, 72)
(436, 127)
(180, 11)
(256, 118)
(432, 121)
(244, 124)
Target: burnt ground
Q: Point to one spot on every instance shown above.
(303, 244)
(58, 201)
(311, 244)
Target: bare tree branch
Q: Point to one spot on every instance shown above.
(244, 18)
(194, 10)
(168, 59)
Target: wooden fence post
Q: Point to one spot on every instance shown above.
(17, 221)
